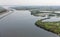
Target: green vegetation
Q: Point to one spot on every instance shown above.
(49, 26)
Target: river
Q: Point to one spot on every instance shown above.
(22, 24)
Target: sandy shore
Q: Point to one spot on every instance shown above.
(5, 14)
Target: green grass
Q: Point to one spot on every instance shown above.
(49, 26)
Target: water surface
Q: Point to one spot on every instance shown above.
(22, 24)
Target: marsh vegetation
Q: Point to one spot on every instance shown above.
(50, 23)
(49, 26)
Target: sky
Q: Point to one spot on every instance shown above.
(31, 2)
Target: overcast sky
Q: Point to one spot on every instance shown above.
(30, 2)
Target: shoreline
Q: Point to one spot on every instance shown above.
(49, 26)
(5, 14)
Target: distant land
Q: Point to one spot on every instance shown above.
(42, 8)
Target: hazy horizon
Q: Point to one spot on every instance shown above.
(31, 2)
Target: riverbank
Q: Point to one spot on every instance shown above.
(2, 10)
(5, 14)
(49, 26)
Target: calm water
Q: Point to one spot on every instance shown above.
(22, 24)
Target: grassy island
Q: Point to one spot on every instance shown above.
(49, 26)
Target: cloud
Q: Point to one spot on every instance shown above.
(29, 2)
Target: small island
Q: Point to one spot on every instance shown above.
(49, 26)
